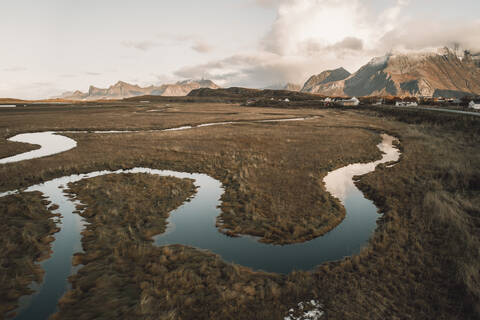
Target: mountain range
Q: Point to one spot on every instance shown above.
(429, 74)
(122, 90)
(441, 74)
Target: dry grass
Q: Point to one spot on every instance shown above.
(27, 230)
(125, 116)
(147, 282)
(422, 262)
(259, 163)
(9, 148)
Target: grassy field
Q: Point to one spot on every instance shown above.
(257, 162)
(116, 115)
(421, 263)
(423, 260)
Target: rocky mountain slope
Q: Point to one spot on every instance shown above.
(292, 87)
(316, 82)
(441, 74)
(288, 86)
(122, 90)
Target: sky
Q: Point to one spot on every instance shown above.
(53, 46)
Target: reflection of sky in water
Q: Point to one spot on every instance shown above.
(339, 182)
(50, 143)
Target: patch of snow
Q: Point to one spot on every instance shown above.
(378, 61)
(310, 310)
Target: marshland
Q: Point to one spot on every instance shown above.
(421, 259)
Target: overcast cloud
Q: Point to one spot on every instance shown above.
(309, 36)
(252, 43)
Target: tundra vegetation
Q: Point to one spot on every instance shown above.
(27, 232)
(422, 262)
(144, 281)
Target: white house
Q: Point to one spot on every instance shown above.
(349, 102)
(406, 104)
(474, 104)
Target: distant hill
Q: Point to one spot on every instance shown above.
(242, 94)
(10, 101)
(288, 86)
(122, 90)
(442, 74)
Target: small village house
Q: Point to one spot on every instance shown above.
(406, 104)
(353, 102)
(474, 104)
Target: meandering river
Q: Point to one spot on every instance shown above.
(193, 223)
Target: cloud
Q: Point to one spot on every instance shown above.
(266, 3)
(28, 89)
(43, 84)
(319, 22)
(310, 36)
(227, 68)
(420, 35)
(144, 45)
(349, 43)
(307, 37)
(196, 42)
(202, 47)
(14, 69)
(160, 78)
(311, 47)
(392, 17)
(349, 28)
(255, 69)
